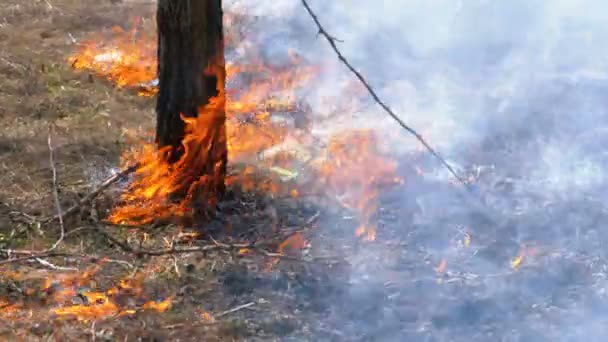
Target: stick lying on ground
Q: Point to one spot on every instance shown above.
(255, 247)
(332, 41)
(216, 245)
(213, 322)
(88, 198)
(39, 255)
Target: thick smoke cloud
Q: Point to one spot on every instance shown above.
(517, 89)
(465, 72)
(458, 70)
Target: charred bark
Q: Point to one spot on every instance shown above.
(191, 71)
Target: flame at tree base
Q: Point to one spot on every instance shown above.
(162, 190)
(351, 169)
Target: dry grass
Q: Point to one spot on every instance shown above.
(89, 116)
(38, 89)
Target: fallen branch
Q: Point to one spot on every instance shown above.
(235, 309)
(37, 256)
(255, 247)
(61, 214)
(88, 198)
(332, 42)
(214, 322)
(53, 266)
(46, 252)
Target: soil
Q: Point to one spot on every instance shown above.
(442, 268)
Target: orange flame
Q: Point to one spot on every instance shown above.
(207, 317)
(355, 172)
(293, 244)
(63, 289)
(442, 267)
(123, 60)
(101, 305)
(148, 197)
(161, 306)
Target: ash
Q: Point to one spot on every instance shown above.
(515, 107)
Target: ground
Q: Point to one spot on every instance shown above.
(85, 120)
(85, 116)
(444, 266)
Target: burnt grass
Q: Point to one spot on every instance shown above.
(344, 290)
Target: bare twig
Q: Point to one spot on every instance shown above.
(125, 247)
(332, 42)
(104, 185)
(313, 218)
(93, 333)
(55, 191)
(194, 324)
(235, 309)
(10, 252)
(61, 214)
(53, 266)
(37, 256)
(214, 322)
(122, 245)
(139, 252)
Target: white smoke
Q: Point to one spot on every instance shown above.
(519, 87)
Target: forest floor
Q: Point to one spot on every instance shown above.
(438, 270)
(95, 290)
(39, 90)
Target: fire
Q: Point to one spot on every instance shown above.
(293, 244)
(98, 306)
(64, 286)
(516, 262)
(148, 197)
(257, 95)
(11, 311)
(63, 289)
(207, 317)
(355, 171)
(102, 304)
(466, 240)
(442, 267)
(161, 306)
(523, 254)
(123, 60)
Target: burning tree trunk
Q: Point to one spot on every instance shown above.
(191, 74)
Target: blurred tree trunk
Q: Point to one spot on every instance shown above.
(191, 71)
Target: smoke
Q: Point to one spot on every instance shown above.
(516, 89)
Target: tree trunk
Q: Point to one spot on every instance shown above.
(191, 72)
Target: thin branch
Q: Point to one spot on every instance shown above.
(53, 266)
(214, 322)
(60, 214)
(124, 246)
(235, 309)
(37, 256)
(332, 42)
(55, 191)
(88, 198)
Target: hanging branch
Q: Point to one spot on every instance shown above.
(332, 42)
